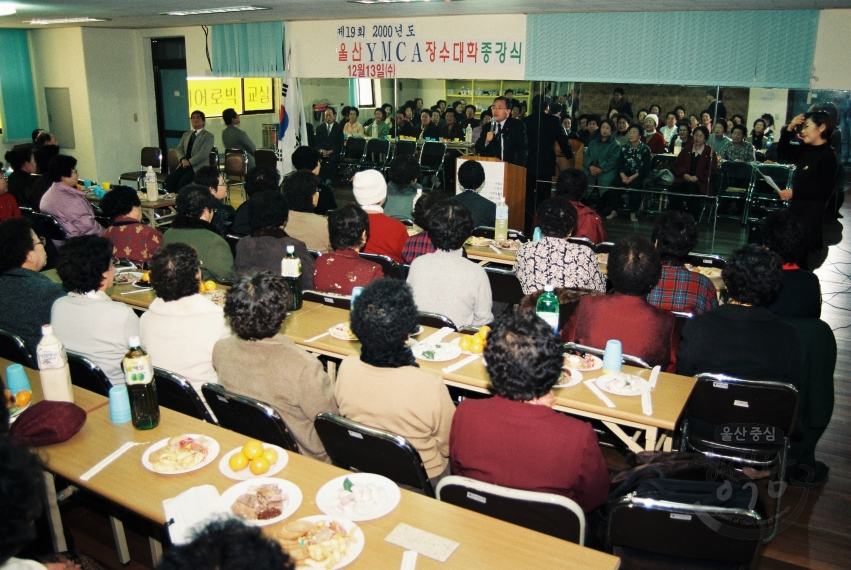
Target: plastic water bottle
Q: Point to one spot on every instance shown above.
(547, 307)
(291, 272)
(151, 184)
(141, 387)
(769, 140)
(468, 134)
(53, 367)
(537, 235)
(501, 225)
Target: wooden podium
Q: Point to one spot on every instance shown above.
(502, 179)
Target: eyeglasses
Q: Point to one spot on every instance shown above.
(495, 108)
(41, 241)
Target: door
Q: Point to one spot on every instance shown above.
(169, 59)
(59, 118)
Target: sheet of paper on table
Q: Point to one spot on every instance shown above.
(189, 510)
(425, 543)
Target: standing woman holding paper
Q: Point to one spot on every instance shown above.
(815, 170)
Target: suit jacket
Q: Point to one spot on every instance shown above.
(323, 140)
(542, 131)
(204, 142)
(234, 137)
(706, 166)
(644, 330)
(513, 141)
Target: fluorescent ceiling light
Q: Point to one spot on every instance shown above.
(395, 1)
(43, 22)
(7, 9)
(214, 11)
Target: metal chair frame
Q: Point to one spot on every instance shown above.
(232, 172)
(183, 393)
(625, 358)
(489, 232)
(96, 380)
(432, 158)
(13, 347)
(151, 156)
(435, 320)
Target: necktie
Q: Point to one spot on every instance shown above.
(189, 146)
(498, 141)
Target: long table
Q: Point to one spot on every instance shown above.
(483, 540)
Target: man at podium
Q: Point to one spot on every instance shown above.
(504, 138)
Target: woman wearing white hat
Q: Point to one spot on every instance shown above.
(386, 235)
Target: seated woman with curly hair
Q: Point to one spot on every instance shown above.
(800, 290)
(444, 282)
(181, 326)
(261, 363)
(87, 320)
(267, 245)
(499, 440)
(675, 235)
(343, 269)
(384, 387)
(644, 330)
(131, 239)
(554, 260)
(420, 244)
(742, 338)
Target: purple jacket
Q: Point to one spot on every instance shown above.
(72, 210)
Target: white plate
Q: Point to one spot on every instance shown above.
(211, 454)
(451, 351)
(246, 474)
(292, 491)
(14, 415)
(355, 548)
(575, 378)
(485, 242)
(637, 385)
(338, 332)
(325, 500)
(598, 364)
(419, 331)
(127, 277)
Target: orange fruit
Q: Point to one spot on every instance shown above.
(259, 465)
(238, 461)
(146, 277)
(484, 331)
(271, 456)
(478, 346)
(201, 287)
(252, 448)
(465, 342)
(210, 285)
(22, 398)
(10, 401)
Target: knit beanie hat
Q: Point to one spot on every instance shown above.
(370, 187)
(654, 117)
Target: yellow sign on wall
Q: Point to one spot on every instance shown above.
(257, 94)
(214, 95)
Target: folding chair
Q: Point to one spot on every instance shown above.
(86, 374)
(176, 393)
(214, 157)
(582, 241)
(54, 230)
(666, 534)
(505, 287)
(432, 156)
(316, 254)
(718, 399)
(13, 347)
(546, 513)
(604, 247)
(489, 232)
(249, 417)
(435, 320)
(682, 318)
(330, 299)
(353, 152)
(761, 192)
(405, 148)
(172, 160)
(354, 446)
(236, 167)
(658, 162)
(151, 156)
(375, 155)
(706, 260)
(266, 157)
(734, 184)
(388, 265)
(232, 240)
(625, 358)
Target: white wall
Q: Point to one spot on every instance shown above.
(833, 45)
(333, 91)
(763, 101)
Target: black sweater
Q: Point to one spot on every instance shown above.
(815, 171)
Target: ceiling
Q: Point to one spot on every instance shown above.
(146, 14)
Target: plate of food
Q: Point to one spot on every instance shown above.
(261, 503)
(17, 403)
(180, 454)
(569, 378)
(509, 244)
(127, 278)
(218, 296)
(479, 241)
(237, 465)
(439, 352)
(321, 542)
(623, 384)
(419, 330)
(603, 258)
(343, 331)
(358, 496)
(582, 361)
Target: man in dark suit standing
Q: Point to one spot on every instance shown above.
(504, 138)
(328, 140)
(543, 131)
(193, 153)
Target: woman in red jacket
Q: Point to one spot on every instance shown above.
(693, 171)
